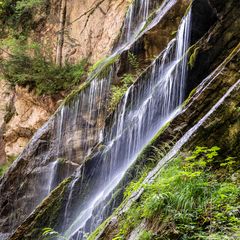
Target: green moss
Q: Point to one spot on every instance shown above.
(150, 148)
(75, 92)
(189, 97)
(5, 167)
(102, 68)
(99, 230)
(45, 215)
(188, 8)
(193, 57)
(99, 70)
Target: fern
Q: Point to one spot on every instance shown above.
(49, 233)
(133, 60)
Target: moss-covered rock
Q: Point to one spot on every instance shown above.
(217, 126)
(47, 214)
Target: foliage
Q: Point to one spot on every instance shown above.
(16, 12)
(134, 185)
(25, 5)
(146, 235)
(27, 66)
(49, 233)
(133, 60)
(117, 92)
(4, 167)
(194, 197)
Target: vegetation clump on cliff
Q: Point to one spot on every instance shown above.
(194, 197)
(26, 65)
(15, 13)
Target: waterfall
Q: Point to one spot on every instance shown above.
(185, 138)
(137, 22)
(135, 19)
(142, 112)
(83, 118)
(78, 125)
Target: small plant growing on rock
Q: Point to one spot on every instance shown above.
(133, 60)
(117, 92)
(49, 233)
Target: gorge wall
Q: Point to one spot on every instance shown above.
(72, 175)
(68, 31)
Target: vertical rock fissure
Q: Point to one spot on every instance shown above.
(60, 39)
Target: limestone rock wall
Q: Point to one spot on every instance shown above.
(80, 29)
(29, 112)
(68, 30)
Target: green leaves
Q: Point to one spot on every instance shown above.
(194, 194)
(27, 66)
(49, 233)
(26, 5)
(117, 92)
(133, 60)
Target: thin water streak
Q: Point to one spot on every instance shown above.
(134, 126)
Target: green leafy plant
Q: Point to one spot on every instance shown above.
(49, 233)
(27, 66)
(26, 5)
(117, 92)
(192, 198)
(18, 15)
(146, 235)
(133, 60)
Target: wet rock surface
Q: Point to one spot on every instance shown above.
(219, 45)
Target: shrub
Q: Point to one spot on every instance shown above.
(133, 60)
(16, 12)
(117, 92)
(192, 198)
(27, 66)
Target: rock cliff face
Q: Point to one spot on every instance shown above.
(29, 114)
(67, 156)
(68, 31)
(75, 30)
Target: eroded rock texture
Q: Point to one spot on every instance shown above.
(68, 31)
(215, 55)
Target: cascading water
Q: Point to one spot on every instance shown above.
(137, 15)
(185, 138)
(142, 112)
(77, 127)
(88, 107)
(137, 21)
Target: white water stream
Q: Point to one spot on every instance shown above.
(142, 113)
